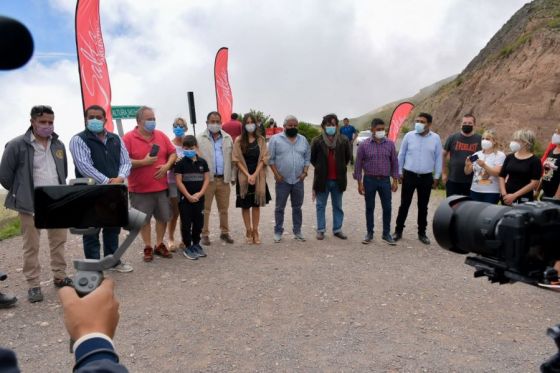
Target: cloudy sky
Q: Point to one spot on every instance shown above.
(301, 57)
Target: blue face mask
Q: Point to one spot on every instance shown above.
(189, 153)
(150, 125)
(179, 131)
(330, 130)
(419, 127)
(95, 125)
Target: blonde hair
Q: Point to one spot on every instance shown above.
(492, 133)
(176, 120)
(527, 137)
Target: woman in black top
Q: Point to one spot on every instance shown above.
(551, 175)
(521, 171)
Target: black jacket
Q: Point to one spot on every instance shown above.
(319, 160)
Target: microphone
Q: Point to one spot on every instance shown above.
(16, 44)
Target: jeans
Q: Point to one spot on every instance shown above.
(295, 192)
(453, 188)
(492, 198)
(336, 200)
(110, 243)
(373, 185)
(423, 185)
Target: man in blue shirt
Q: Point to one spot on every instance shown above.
(351, 133)
(420, 164)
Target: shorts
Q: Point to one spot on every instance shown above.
(154, 203)
(173, 193)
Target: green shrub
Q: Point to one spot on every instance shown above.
(308, 130)
(10, 228)
(509, 49)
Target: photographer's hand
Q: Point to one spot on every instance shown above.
(97, 312)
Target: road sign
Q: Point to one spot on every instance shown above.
(124, 112)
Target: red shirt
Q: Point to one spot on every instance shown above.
(141, 179)
(233, 128)
(331, 166)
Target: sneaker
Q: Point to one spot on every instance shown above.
(199, 250)
(189, 253)
(34, 295)
(341, 235)
(396, 236)
(205, 241)
(122, 267)
(320, 236)
(162, 251)
(7, 301)
(389, 240)
(148, 254)
(299, 237)
(62, 282)
(424, 239)
(226, 238)
(277, 237)
(367, 239)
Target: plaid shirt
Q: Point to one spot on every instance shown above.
(376, 159)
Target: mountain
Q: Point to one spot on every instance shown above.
(514, 81)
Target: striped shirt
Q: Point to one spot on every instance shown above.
(376, 159)
(84, 163)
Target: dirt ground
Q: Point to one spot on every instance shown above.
(318, 306)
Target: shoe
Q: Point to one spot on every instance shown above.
(7, 301)
(424, 239)
(199, 250)
(62, 282)
(320, 236)
(299, 237)
(277, 237)
(389, 240)
(189, 253)
(162, 251)
(34, 295)
(249, 236)
(148, 254)
(226, 238)
(172, 246)
(205, 241)
(341, 235)
(367, 239)
(182, 246)
(122, 267)
(397, 236)
(256, 238)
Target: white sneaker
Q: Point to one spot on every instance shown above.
(277, 237)
(299, 237)
(122, 267)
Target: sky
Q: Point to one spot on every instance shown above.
(301, 57)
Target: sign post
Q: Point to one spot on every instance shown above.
(123, 112)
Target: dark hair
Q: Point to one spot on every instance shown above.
(234, 116)
(327, 119)
(37, 111)
(427, 116)
(346, 119)
(377, 121)
(189, 141)
(469, 115)
(95, 107)
(244, 138)
(213, 113)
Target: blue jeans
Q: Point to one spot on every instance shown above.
(295, 192)
(92, 246)
(492, 198)
(336, 200)
(373, 185)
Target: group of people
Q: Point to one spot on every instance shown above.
(180, 176)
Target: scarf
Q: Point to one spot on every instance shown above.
(331, 145)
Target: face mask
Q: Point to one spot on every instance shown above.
(95, 125)
(45, 131)
(214, 127)
(189, 153)
(514, 146)
(419, 127)
(250, 127)
(150, 125)
(466, 128)
(179, 131)
(379, 134)
(330, 130)
(556, 139)
(486, 144)
(291, 132)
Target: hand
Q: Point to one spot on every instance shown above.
(480, 162)
(252, 179)
(361, 189)
(148, 161)
(467, 163)
(279, 178)
(302, 176)
(161, 171)
(116, 180)
(97, 312)
(192, 198)
(435, 184)
(444, 179)
(394, 186)
(401, 178)
(509, 199)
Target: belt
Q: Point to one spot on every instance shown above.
(219, 176)
(418, 175)
(378, 177)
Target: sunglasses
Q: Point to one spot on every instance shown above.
(175, 125)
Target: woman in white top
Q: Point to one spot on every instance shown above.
(179, 132)
(486, 165)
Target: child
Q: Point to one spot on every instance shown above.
(191, 174)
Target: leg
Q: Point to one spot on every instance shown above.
(256, 217)
(110, 240)
(424, 191)
(320, 207)
(92, 246)
(197, 221)
(338, 213)
(223, 191)
(208, 198)
(174, 203)
(145, 203)
(282, 193)
(31, 266)
(370, 191)
(160, 231)
(296, 196)
(162, 213)
(385, 196)
(407, 191)
(57, 240)
(146, 234)
(246, 215)
(186, 222)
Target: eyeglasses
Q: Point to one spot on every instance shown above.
(37, 111)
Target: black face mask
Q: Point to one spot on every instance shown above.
(466, 128)
(291, 132)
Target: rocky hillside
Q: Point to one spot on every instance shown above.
(514, 82)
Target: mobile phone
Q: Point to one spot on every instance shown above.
(81, 206)
(155, 150)
(473, 158)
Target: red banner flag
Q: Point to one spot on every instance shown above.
(400, 114)
(224, 97)
(94, 76)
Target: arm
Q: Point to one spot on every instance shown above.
(307, 160)
(8, 166)
(394, 168)
(205, 184)
(446, 155)
(358, 168)
(272, 159)
(439, 161)
(468, 167)
(83, 161)
(402, 155)
(136, 163)
(124, 164)
(492, 171)
(348, 155)
(181, 187)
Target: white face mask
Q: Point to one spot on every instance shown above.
(250, 127)
(486, 144)
(214, 128)
(379, 134)
(555, 139)
(515, 146)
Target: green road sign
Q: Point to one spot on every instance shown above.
(124, 112)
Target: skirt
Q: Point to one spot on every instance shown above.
(249, 200)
